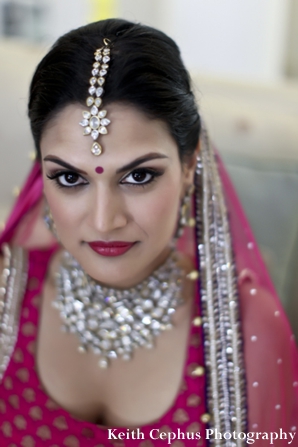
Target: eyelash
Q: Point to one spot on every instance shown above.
(153, 172)
(56, 176)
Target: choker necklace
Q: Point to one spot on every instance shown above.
(112, 322)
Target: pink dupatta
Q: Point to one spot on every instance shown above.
(270, 352)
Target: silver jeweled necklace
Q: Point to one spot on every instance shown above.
(112, 322)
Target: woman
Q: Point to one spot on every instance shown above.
(123, 274)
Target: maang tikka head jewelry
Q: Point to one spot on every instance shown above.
(95, 120)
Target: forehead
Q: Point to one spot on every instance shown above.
(130, 134)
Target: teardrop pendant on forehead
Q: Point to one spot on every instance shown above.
(94, 120)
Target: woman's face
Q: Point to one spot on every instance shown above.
(128, 197)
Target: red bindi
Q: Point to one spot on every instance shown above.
(99, 170)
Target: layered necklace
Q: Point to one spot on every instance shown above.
(112, 322)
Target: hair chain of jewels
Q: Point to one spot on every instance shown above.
(95, 119)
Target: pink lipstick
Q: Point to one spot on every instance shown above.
(114, 248)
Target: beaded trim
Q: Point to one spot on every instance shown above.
(226, 387)
(13, 282)
(94, 120)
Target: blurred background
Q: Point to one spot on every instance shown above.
(243, 57)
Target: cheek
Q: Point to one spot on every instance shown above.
(64, 209)
(159, 211)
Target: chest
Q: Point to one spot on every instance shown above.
(129, 393)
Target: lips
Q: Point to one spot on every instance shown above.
(114, 248)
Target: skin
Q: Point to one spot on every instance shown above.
(106, 207)
(134, 393)
(113, 207)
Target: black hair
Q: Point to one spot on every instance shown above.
(146, 71)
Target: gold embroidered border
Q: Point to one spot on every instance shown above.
(13, 282)
(223, 348)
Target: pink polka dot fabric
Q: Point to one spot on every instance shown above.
(30, 418)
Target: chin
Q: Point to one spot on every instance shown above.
(112, 274)
(120, 271)
(116, 281)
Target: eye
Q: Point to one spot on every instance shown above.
(71, 178)
(140, 176)
(67, 179)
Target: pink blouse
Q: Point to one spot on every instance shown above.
(30, 418)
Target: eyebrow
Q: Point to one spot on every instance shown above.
(140, 160)
(133, 164)
(60, 162)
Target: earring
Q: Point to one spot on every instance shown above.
(49, 221)
(186, 220)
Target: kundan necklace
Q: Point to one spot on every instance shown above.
(112, 322)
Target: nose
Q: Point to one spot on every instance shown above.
(108, 210)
